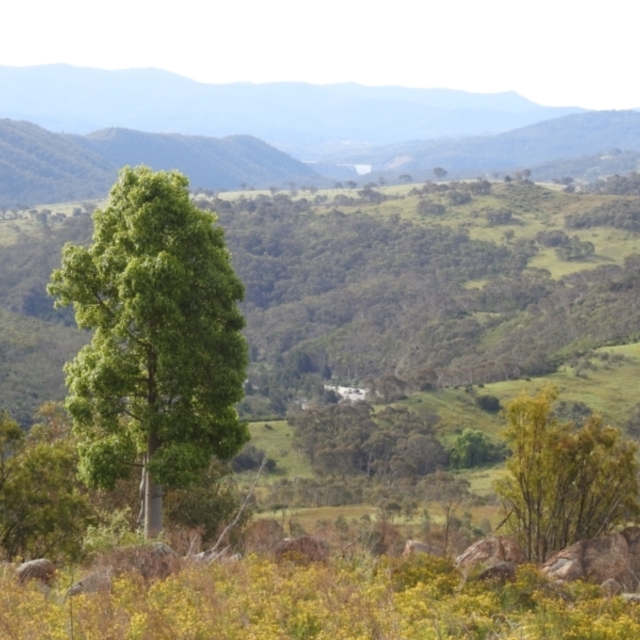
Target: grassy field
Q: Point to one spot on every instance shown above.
(535, 208)
(13, 230)
(275, 438)
(609, 387)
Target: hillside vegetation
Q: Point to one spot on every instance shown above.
(398, 289)
(37, 166)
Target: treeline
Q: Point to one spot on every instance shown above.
(619, 214)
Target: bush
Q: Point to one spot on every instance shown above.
(489, 403)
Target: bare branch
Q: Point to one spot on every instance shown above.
(235, 521)
(356, 540)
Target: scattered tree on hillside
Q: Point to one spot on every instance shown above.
(439, 172)
(167, 361)
(346, 439)
(473, 448)
(564, 483)
(575, 249)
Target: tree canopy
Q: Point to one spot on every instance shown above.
(564, 483)
(167, 361)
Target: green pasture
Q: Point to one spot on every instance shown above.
(458, 411)
(276, 441)
(609, 387)
(14, 230)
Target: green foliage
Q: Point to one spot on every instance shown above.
(628, 185)
(473, 448)
(113, 531)
(488, 403)
(574, 249)
(42, 511)
(252, 458)
(416, 598)
(166, 362)
(409, 572)
(346, 439)
(368, 290)
(564, 483)
(207, 506)
(622, 213)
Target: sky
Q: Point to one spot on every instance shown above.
(556, 53)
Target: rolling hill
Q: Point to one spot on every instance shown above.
(557, 140)
(209, 162)
(38, 166)
(400, 289)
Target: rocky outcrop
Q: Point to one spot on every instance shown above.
(302, 550)
(488, 553)
(501, 572)
(42, 570)
(596, 560)
(632, 536)
(155, 561)
(413, 546)
(96, 582)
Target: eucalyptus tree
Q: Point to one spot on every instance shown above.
(157, 385)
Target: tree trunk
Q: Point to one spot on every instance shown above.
(152, 496)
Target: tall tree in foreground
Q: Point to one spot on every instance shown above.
(564, 483)
(166, 364)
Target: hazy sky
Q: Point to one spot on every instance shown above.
(558, 52)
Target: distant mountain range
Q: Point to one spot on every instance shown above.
(306, 120)
(37, 166)
(113, 118)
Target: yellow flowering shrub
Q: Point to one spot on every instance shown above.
(418, 598)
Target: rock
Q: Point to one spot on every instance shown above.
(155, 561)
(489, 552)
(413, 546)
(611, 587)
(42, 570)
(502, 572)
(98, 581)
(302, 550)
(207, 557)
(632, 536)
(162, 550)
(597, 560)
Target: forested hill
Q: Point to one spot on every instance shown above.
(560, 139)
(406, 288)
(211, 163)
(38, 167)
